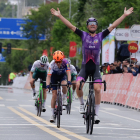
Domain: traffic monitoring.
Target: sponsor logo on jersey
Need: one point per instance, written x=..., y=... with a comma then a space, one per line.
x=95, y=41
x=91, y=46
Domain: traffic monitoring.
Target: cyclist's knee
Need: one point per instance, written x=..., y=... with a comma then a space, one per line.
x=97, y=89
x=31, y=82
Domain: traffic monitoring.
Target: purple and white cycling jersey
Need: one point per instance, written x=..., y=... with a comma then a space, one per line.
x=91, y=45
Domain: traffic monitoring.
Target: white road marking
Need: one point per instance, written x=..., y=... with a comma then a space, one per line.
x=120, y=116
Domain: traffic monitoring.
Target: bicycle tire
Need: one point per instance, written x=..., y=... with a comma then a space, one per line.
x=40, y=103
x=37, y=106
x=70, y=101
x=87, y=118
x=58, y=111
x=92, y=113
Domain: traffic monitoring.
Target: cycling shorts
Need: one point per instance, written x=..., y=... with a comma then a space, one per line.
x=73, y=77
x=90, y=68
x=42, y=75
x=55, y=78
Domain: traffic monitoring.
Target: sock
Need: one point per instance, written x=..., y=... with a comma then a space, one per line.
x=73, y=92
x=44, y=103
x=52, y=109
x=33, y=90
x=97, y=107
x=81, y=100
x=64, y=96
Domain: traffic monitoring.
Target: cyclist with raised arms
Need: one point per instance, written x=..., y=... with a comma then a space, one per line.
x=91, y=45
x=73, y=77
x=39, y=70
x=59, y=70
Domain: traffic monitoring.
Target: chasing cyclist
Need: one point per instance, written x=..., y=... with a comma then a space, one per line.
x=39, y=70
x=91, y=46
x=58, y=70
x=73, y=78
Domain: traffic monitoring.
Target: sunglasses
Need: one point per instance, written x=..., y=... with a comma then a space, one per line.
x=58, y=61
x=42, y=64
x=90, y=23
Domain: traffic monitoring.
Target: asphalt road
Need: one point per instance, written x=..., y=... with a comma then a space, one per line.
x=18, y=120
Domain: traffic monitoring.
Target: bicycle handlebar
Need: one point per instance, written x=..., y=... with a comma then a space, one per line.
x=92, y=82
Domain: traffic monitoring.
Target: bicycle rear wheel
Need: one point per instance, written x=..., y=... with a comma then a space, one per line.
x=87, y=118
x=91, y=113
x=58, y=111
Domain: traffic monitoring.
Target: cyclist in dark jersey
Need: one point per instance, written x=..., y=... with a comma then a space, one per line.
x=91, y=45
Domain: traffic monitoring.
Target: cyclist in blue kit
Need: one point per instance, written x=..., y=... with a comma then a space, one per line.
x=91, y=45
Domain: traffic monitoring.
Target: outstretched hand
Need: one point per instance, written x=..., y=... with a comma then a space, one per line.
x=56, y=13
x=129, y=11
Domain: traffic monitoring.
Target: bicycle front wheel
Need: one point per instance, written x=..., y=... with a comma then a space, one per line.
x=58, y=111
x=91, y=113
x=40, y=103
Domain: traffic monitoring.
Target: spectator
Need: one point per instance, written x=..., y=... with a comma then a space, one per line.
x=119, y=66
x=113, y=69
x=125, y=69
x=138, y=66
x=29, y=67
x=123, y=52
x=103, y=69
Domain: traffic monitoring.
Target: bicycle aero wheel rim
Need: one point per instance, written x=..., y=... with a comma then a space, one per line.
x=69, y=100
x=92, y=113
x=37, y=106
x=58, y=112
x=87, y=118
x=40, y=102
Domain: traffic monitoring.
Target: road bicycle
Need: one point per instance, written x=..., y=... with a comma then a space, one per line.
x=40, y=98
x=90, y=105
x=58, y=107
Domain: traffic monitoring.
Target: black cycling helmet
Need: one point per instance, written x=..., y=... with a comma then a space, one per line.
x=92, y=19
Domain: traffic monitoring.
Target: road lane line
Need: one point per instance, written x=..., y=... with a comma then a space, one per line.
x=1, y=98
x=120, y=116
x=53, y=133
x=48, y=123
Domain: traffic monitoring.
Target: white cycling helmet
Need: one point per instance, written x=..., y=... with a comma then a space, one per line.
x=68, y=60
x=43, y=59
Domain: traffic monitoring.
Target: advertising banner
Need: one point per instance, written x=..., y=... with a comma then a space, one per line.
x=105, y=50
x=73, y=49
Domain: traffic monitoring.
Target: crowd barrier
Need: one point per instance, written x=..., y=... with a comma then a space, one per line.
x=123, y=89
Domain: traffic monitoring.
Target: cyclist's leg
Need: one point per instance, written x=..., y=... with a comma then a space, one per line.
x=97, y=88
x=64, y=89
x=32, y=79
x=73, y=80
x=82, y=76
x=43, y=77
x=54, y=96
x=53, y=102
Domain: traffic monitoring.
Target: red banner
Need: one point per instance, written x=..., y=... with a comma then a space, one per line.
x=45, y=52
x=51, y=50
x=73, y=49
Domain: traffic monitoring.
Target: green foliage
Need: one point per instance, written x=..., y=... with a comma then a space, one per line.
x=6, y=9
x=57, y=34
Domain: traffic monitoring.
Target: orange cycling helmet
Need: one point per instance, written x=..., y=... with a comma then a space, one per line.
x=58, y=56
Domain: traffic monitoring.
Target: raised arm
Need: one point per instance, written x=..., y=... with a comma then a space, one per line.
x=64, y=20
x=119, y=20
